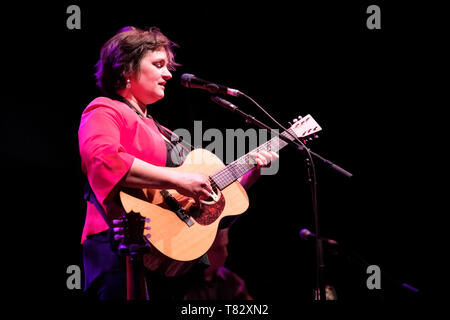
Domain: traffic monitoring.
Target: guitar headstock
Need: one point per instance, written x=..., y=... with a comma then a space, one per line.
x=129, y=230
x=305, y=126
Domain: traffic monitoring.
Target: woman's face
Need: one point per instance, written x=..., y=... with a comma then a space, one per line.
x=147, y=85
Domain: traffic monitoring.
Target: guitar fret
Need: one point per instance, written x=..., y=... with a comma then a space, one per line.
x=239, y=167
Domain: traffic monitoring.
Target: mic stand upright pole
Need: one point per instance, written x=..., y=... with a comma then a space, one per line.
x=319, y=291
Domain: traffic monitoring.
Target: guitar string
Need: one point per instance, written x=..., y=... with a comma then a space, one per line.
x=242, y=165
x=226, y=175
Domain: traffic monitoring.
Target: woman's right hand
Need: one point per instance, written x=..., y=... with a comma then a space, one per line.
x=193, y=185
x=146, y=175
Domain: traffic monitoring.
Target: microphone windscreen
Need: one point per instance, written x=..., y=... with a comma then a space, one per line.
x=305, y=234
x=186, y=79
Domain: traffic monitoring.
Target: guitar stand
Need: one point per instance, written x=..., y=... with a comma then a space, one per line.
x=136, y=282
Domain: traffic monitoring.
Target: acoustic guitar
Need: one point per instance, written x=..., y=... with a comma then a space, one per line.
x=184, y=230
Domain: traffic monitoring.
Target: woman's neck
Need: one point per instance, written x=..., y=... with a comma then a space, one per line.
x=142, y=108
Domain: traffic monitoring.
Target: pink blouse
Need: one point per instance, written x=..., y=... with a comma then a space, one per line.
x=110, y=136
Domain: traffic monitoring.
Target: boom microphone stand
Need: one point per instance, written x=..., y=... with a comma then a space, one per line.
x=320, y=265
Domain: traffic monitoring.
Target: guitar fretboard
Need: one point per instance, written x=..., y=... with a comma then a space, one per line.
x=239, y=167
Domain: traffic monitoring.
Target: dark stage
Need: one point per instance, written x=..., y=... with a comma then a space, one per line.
x=374, y=92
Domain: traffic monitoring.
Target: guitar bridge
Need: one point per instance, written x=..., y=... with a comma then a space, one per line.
x=176, y=208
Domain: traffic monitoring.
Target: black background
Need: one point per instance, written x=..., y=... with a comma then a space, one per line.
x=374, y=92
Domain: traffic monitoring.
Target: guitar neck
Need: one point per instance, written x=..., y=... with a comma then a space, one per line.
x=239, y=167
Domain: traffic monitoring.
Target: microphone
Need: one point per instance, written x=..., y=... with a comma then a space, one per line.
x=190, y=81
x=305, y=234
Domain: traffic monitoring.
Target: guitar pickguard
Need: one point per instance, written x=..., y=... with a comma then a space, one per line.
x=205, y=214
x=208, y=212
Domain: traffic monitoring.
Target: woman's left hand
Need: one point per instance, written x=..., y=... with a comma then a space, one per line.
x=263, y=158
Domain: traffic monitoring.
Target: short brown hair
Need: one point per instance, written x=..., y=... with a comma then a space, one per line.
x=122, y=54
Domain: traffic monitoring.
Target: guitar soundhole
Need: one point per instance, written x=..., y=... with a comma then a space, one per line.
x=209, y=211
x=213, y=198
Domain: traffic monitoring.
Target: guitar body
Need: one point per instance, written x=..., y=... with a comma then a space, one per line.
x=172, y=236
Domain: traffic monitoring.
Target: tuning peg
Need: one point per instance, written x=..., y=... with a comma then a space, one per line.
x=118, y=229
x=117, y=222
x=299, y=117
x=118, y=237
x=147, y=220
x=148, y=235
x=295, y=120
x=147, y=228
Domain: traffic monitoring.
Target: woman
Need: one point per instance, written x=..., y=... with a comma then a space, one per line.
x=122, y=146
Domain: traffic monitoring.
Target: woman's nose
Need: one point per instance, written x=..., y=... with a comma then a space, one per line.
x=166, y=75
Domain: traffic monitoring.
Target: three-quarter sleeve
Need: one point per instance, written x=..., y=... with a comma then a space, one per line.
x=104, y=159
